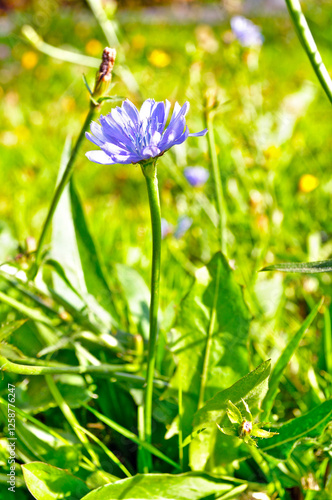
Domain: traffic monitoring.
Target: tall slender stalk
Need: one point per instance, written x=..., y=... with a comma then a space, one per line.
x=216, y=179
x=309, y=45
x=102, y=82
x=150, y=173
x=71, y=419
x=61, y=186
x=208, y=344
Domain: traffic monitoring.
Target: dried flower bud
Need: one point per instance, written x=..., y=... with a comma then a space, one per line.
x=105, y=70
x=104, y=74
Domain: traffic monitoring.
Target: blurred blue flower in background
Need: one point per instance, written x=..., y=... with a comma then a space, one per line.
x=246, y=32
x=166, y=228
x=196, y=176
x=184, y=223
x=127, y=135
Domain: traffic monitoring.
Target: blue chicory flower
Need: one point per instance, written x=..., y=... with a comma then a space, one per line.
x=247, y=33
x=196, y=176
x=127, y=135
x=184, y=223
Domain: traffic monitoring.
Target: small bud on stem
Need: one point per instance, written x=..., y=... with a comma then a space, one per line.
x=104, y=74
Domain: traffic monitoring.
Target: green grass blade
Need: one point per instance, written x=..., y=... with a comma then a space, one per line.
x=327, y=337
x=282, y=362
x=130, y=435
x=108, y=452
x=320, y=266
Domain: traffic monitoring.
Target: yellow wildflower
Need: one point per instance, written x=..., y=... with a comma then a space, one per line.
x=308, y=183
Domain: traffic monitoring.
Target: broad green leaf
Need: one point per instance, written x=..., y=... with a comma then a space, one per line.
x=74, y=248
x=137, y=296
x=209, y=342
x=57, y=268
x=191, y=485
x=252, y=388
x=282, y=362
x=215, y=308
x=322, y=266
x=94, y=273
x=311, y=424
x=211, y=444
x=64, y=246
x=46, y=482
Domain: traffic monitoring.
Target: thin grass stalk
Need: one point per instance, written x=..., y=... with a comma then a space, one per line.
x=309, y=45
x=71, y=419
x=217, y=180
x=208, y=345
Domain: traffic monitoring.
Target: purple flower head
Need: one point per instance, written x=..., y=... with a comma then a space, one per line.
x=166, y=228
x=247, y=33
x=127, y=135
x=184, y=223
x=196, y=176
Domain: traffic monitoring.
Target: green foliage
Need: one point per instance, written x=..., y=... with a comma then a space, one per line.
x=46, y=482
x=210, y=334
x=87, y=312
x=284, y=358
x=210, y=446
x=324, y=266
x=164, y=486
x=311, y=424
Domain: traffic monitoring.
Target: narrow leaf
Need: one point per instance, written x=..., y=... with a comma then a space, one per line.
x=309, y=425
x=130, y=435
x=283, y=361
x=322, y=266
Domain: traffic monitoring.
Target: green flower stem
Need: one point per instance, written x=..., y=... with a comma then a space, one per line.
x=150, y=173
x=31, y=313
x=103, y=370
x=61, y=186
x=180, y=402
x=309, y=45
x=217, y=180
x=262, y=464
